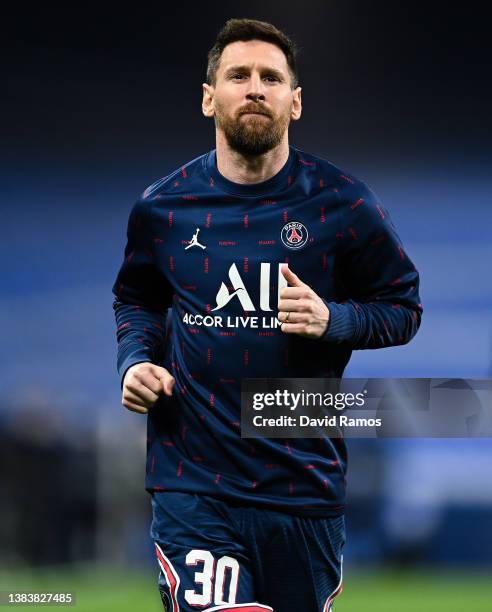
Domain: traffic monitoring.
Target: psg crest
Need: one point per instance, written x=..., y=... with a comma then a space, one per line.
x=294, y=235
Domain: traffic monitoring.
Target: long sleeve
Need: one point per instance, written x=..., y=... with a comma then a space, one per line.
x=379, y=284
x=143, y=295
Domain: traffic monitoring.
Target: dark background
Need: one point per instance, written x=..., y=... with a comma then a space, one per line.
x=101, y=101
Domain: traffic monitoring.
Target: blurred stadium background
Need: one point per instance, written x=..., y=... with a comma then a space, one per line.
x=102, y=103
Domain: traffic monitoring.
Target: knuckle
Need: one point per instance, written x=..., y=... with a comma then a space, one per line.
x=131, y=387
x=143, y=369
x=135, y=375
x=126, y=393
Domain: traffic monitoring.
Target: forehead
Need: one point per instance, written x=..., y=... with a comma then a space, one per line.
x=253, y=53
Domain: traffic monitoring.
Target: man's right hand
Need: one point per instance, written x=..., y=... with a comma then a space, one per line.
x=143, y=384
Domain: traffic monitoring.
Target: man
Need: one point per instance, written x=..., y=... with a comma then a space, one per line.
x=297, y=265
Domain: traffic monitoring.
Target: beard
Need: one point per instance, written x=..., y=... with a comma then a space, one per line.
x=252, y=135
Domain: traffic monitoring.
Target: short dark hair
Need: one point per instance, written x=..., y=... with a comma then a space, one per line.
x=251, y=29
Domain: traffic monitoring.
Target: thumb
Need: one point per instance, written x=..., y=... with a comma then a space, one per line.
x=290, y=277
x=167, y=380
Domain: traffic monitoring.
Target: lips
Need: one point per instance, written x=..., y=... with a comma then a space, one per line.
x=255, y=113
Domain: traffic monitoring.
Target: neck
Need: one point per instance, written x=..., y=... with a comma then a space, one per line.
x=243, y=169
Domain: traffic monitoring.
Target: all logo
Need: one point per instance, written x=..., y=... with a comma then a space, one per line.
x=294, y=235
x=239, y=290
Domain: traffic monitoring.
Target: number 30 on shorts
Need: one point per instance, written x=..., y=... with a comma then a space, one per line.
x=211, y=579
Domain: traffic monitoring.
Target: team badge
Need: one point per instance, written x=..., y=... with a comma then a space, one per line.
x=294, y=235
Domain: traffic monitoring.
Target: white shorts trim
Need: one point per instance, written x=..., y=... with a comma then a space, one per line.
x=337, y=591
x=170, y=575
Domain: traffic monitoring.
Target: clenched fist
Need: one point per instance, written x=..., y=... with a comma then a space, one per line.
x=143, y=384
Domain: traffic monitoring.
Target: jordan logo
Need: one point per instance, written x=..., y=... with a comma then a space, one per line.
x=194, y=241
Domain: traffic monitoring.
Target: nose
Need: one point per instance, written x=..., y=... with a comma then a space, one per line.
x=255, y=89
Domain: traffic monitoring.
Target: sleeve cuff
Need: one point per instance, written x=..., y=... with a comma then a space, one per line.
x=342, y=324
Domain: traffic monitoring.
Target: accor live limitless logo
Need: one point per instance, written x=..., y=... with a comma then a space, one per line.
x=239, y=292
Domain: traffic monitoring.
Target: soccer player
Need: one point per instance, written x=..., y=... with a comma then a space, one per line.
x=254, y=260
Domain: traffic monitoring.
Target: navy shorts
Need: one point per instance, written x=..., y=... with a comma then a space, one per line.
x=217, y=556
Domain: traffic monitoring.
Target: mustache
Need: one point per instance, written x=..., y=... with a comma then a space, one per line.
x=254, y=109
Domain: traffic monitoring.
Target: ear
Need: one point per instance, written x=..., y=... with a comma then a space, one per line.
x=296, y=104
x=208, y=100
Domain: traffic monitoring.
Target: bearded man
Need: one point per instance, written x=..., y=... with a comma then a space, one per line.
x=251, y=524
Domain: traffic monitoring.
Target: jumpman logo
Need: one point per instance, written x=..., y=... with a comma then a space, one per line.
x=194, y=241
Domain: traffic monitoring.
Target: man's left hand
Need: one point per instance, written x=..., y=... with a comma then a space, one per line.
x=301, y=310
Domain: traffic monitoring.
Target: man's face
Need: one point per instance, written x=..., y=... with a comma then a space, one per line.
x=252, y=100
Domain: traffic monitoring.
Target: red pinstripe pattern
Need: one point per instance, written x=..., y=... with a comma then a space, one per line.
x=172, y=578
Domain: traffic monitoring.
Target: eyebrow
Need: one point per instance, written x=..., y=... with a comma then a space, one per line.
x=263, y=70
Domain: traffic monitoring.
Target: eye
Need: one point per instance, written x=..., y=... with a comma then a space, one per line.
x=237, y=76
x=272, y=79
